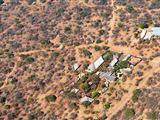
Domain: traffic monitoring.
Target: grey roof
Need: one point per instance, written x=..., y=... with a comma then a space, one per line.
x=113, y=62
x=84, y=99
x=93, y=66
x=143, y=33
x=107, y=76
x=75, y=66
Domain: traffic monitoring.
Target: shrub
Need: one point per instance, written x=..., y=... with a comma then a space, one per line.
x=85, y=12
x=107, y=106
x=86, y=52
x=152, y=116
x=135, y=95
x=85, y=86
x=73, y=116
x=99, y=41
x=95, y=94
x=67, y=30
x=97, y=48
x=50, y=98
x=1, y=2
x=70, y=95
x=86, y=103
x=130, y=9
x=96, y=102
x=28, y=60
x=129, y=112
x=45, y=42
x=10, y=54
x=55, y=54
x=143, y=25
x=101, y=32
x=103, y=2
x=121, y=65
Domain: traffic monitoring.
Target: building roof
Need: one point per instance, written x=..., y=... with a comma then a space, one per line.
x=107, y=76
x=84, y=99
x=93, y=66
x=148, y=36
x=135, y=60
x=74, y=90
x=113, y=62
x=75, y=66
x=143, y=33
x=126, y=71
x=156, y=31
x=98, y=62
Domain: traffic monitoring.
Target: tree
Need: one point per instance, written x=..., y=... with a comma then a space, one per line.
x=107, y=106
x=28, y=60
x=143, y=25
x=135, y=95
x=86, y=103
x=152, y=116
x=99, y=41
x=129, y=112
x=1, y=2
x=121, y=65
x=130, y=9
x=50, y=98
x=85, y=86
x=95, y=94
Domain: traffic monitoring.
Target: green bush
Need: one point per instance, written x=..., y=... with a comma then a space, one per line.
x=28, y=60
x=103, y=2
x=1, y=2
x=50, y=98
x=67, y=30
x=129, y=112
x=86, y=103
x=85, y=12
x=10, y=54
x=45, y=42
x=55, y=54
x=70, y=95
x=86, y=52
x=95, y=94
x=97, y=48
x=107, y=106
x=130, y=9
x=143, y=25
x=101, y=32
x=108, y=55
x=99, y=41
x=121, y=65
x=95, y=78
x=152, y=116
x=85, y=86
x=135, y=95
x=96, y=102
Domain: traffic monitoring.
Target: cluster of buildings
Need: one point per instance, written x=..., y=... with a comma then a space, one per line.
x=147, y=34
x=104, y=67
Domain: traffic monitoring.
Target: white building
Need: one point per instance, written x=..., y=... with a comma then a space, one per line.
x=97, y=63
x=84, y=99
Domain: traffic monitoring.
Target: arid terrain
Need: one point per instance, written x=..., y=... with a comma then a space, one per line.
x=41, y=40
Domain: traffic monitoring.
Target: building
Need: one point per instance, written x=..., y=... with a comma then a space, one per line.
x=113, y=62
x=107, y=76
x=148, y=34
x=75, y=66
x=84, y=99
x=97, y=63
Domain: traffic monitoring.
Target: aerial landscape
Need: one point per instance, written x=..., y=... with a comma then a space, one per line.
x=79, y=59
